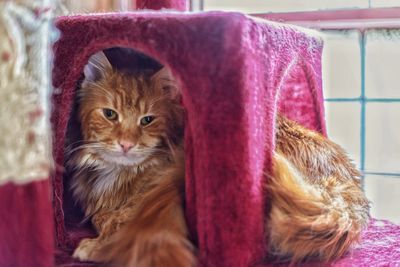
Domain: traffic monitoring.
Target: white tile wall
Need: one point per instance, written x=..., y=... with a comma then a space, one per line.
x=382, y=137
x=343, y=123
x=341, y=74
x=385, y=3
x=254, y=6
x=383, y=64
x=384, y=193
x=342, y=79
x=341, y=64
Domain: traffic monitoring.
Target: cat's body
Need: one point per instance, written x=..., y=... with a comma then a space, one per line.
x=129, y=177
x=318, y=208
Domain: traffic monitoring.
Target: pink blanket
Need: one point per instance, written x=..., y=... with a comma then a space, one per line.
x=235, y=73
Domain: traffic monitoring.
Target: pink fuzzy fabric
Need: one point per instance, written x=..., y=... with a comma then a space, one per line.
x=235, y=74
x=26, y=228
x=181, y=5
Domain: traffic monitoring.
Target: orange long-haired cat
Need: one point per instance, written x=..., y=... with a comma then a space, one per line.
x=128, y=175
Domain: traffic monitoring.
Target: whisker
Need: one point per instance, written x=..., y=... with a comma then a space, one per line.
x=81, y=141
x=150, y=150
x=83, y=147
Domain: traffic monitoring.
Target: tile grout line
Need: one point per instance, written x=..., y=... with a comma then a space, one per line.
x=389, y=174
x=359, y=99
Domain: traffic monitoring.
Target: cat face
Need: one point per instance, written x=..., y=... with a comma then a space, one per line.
x=125, y=119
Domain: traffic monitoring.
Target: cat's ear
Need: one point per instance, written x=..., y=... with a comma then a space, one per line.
x=164, y=79
x=97, y=67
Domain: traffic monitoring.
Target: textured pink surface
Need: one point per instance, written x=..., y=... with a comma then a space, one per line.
x=380, y=246
x=235, y=73
x=26, y=228
x=181, y=5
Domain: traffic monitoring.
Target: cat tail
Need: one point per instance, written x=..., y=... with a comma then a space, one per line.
x=309, y=222
x=158, y=234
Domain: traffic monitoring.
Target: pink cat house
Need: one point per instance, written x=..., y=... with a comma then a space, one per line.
x=236, y=72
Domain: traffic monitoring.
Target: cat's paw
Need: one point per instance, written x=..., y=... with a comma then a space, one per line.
x=86, y=250
x=155, y=250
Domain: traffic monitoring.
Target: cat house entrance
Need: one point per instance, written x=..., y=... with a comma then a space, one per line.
x=101, y=127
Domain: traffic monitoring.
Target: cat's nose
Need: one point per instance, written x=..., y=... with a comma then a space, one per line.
x=126, y=145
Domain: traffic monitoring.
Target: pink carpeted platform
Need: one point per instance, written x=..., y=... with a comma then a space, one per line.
x=235, y=73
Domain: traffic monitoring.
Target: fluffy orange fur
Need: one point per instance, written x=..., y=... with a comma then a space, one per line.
x=128, y=175
x=318, y=207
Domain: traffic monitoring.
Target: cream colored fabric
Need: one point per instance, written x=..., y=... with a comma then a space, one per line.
x=25, y=35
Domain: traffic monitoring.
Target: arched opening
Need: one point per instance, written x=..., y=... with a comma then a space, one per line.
x=122, y=59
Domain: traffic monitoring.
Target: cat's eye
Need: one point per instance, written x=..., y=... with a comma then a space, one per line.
x=146, y=120
x=110, y=114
